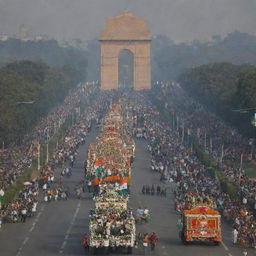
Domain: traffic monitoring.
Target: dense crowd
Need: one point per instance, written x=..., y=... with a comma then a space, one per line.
x=177, y=162
x=115, y=222
x=25, y=205
x=64, y=157
x=224, y=144
x=174, y=161
x=14, y=160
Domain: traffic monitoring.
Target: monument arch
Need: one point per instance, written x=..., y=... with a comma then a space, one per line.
x=125, y=32
x=125, y=69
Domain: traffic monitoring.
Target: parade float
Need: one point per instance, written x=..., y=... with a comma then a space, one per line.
x=200, y=221
x=112, y=224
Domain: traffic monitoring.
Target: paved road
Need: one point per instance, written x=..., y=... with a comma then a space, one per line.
x=58, y=227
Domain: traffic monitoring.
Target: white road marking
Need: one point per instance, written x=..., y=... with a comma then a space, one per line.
x=30, y=230
x=69, y=229
x=229, y=254
x=19, y=251
x=63, y=245
x=23, y=244
x=25, y=241
x=33, y=226
x=225, y=247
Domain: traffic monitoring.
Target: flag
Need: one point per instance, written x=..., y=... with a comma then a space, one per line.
x=98, y=162
x=124, y=186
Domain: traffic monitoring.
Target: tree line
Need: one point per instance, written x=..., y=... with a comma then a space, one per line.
x=41, y=72
x=226, y=89
x=29, y=90
x=72, y=60
x=170, y=59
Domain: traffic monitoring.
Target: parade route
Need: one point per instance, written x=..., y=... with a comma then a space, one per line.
x=58, y=227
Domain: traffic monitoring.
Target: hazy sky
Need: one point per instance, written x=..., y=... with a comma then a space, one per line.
x=179, y=19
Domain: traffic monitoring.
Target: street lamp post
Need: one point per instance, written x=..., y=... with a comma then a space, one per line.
x=240, y=169
x=38, y=156
x=47, y=153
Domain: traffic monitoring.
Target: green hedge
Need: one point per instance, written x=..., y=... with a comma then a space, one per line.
x=12, y=191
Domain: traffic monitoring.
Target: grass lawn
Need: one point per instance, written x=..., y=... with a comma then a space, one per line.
x=251, y=171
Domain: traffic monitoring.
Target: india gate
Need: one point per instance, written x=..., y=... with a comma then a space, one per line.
x=125, y=32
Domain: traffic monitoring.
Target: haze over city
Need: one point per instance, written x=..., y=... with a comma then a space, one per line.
x=181, y=20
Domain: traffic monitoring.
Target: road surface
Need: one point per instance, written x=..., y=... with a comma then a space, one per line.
x=58, y=227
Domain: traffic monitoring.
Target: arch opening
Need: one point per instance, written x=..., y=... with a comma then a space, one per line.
x=126, y=69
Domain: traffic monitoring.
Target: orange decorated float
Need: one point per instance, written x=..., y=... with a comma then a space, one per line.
x=201, y=223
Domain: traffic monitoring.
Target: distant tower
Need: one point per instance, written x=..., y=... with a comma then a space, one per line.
x=23, y=33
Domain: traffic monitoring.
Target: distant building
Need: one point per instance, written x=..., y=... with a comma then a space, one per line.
x=38, y=38
x=4, y=37
x=23, y=33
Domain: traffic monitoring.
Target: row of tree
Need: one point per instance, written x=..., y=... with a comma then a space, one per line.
x=170, y=59
x=228, y=90
x=28, y=91
x=41, y=72
x=72, y=60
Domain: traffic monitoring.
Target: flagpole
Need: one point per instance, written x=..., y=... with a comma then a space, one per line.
x=183, y=131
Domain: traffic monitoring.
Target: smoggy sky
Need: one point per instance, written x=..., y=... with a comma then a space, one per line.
x=181, y=20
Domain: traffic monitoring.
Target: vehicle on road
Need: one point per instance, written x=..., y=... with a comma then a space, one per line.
x=201, y=223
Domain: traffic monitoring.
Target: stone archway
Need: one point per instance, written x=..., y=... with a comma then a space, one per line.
x=125, y=31
x=125, y=69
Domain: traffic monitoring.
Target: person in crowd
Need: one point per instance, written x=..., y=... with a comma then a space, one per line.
x=153, y=240
x=145, y=243
x=235, y=234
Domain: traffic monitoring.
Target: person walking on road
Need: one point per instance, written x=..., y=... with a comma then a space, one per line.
x=78, y=192
x=145, y=243
x=153, y=240
x=139, y=240
x=235, y=234
x=23, y=214
x=85, y=243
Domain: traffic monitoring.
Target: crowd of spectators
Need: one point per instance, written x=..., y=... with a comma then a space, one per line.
x=177, y=162
x=15, y=160
x=228, y=148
